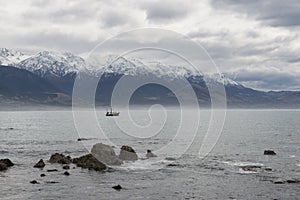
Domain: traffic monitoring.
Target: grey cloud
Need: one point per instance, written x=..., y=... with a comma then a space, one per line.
x=274, y=13
x=166, y=10
x=266, y=78
x=55, y=41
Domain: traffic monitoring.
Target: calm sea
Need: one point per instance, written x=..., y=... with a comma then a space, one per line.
x=27, y=136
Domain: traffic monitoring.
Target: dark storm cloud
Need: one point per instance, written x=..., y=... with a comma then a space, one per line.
x=274, y=13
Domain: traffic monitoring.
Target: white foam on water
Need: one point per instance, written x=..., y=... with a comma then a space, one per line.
x=147, y=164
x=241, y=164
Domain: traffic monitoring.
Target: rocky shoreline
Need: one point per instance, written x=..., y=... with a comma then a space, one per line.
x=103, y=156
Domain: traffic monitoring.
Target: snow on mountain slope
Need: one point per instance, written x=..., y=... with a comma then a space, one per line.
x=58, y=64
x=10, y=57
x=220, y=78
x=61, y=64
x=135, y=67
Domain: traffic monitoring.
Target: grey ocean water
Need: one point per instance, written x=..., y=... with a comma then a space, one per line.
x=246, y=134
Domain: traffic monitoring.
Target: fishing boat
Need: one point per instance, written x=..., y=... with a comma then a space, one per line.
x=112, y=113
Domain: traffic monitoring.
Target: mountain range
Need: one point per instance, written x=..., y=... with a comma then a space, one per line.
x=48, y=78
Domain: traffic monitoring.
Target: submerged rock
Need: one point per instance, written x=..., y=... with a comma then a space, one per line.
x=90, y=162
x=128, y=153
x=60, y=158
x=40, y=164
x=5, y=164
x=170, y=158
x=3, y=167
x=150, y=154
x=34, y=182
x=66, y=173
x=83, y=139
x=269, y=152
x=42, y=175
x=105, y=154
x=117, y=187
x=52, y=170
x=66, y=167
x=279, y=181
x=172, y=165
x=293, y=180
x=51, y=182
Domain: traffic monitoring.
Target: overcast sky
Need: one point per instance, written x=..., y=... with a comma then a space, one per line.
x=255, y=42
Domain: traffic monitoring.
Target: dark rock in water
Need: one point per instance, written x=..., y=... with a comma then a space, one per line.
x=128, y=149
x=293, y=180
x=172, y=165
x=5, y=164
x=90, y=162
x=51, y=182
x=117, y=187
x=66, y=167
x=82, y=139
x=40, y=164
x=128, y=153
x=52, y=170
x=105, y=154
x=268, y=169
x=150, y=154
x=170, y=158
x=66, y=173
x=279, y=181
x=269, y=152
x=42, y=175
x=34, y=182
x=60, y=158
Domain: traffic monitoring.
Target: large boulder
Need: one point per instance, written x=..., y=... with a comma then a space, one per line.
x=128, y=153
x=90, y=162
x=105, y=154
x=60, y=158
x=5, y=164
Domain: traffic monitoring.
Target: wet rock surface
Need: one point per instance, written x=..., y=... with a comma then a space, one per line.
x=52, y=170
x=117, y=187
x=269, y=152
x=5, y=164
x=34, y=182
x=40, y=164
x=60, y=158
x=150, y=154
x=105, y=154
x=128, y=153
x=89, y=162
x=66, y=167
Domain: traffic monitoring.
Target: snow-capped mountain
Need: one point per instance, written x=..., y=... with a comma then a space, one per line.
x=136, y=67
x=58, y=64
x=51, y=75
x=10, y=57
x=52, y=63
